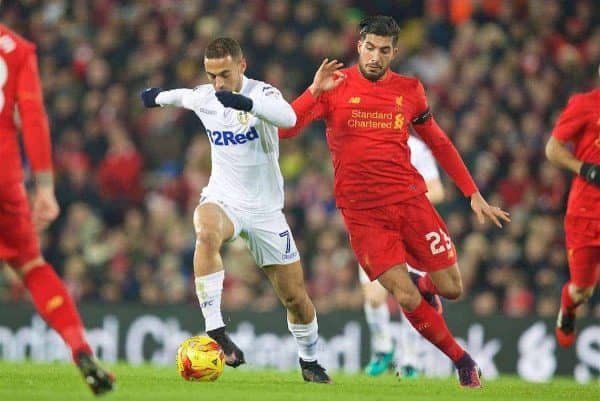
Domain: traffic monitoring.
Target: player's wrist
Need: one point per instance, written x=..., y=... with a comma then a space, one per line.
x=314, y=90
x=44, y=179
x=590, y=172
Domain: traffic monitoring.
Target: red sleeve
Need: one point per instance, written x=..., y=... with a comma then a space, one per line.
x=308, y=109
x=571, y=120
x=36, y=133
x=441, y=147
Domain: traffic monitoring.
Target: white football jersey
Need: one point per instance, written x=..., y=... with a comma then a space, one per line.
x=422, y=159
x=244, y=145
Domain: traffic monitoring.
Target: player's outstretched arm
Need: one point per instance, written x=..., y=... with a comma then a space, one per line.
x=308, y=106
x=483, y=210
x=156, y=97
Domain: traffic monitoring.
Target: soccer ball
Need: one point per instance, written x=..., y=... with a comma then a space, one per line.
x=200, y=358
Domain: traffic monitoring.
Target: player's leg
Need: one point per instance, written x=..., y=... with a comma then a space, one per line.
x=288, y=283
x=409, y=366
x=213, y=227
x=377, y=315
x=57, y=308
x=19, y=246
x=429, y=323
x=273, y=248
x=584, y=269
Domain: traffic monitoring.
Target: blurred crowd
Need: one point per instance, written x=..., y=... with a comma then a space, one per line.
x=497, y=73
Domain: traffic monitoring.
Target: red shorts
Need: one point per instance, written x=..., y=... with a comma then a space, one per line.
x=583, y=250
x=18, y=240
x=408, y=232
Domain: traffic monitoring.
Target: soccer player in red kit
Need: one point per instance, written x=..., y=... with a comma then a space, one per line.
x=19, y=245
x=367, y=109
x=579, y=123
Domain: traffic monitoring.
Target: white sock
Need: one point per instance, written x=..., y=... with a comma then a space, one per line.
x=409, y=341
x=378, y=319
x=209, y=289
x=306, y=336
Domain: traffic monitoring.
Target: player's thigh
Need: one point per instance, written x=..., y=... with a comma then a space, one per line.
x=583, y=250
x=270, y=240
x=376, y=244
x=211, y=220
x=584, y=268
x=426, y=239
x=19, y=244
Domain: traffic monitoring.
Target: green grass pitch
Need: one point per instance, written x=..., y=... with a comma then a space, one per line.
x=40, y=382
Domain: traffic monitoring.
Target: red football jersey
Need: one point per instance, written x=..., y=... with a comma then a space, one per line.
x=20, y=86
x=367, y=132
x=579, y=123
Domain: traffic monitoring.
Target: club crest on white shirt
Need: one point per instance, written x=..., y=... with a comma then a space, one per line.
x=243, y=117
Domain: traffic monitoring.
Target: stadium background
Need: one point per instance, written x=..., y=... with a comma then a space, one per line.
x=127, y=179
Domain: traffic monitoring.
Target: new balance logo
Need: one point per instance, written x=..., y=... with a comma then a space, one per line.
x=207, y=303
x=354, y=100
x=226, y=138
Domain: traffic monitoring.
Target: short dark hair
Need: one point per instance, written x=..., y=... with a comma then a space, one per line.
x=223, y=47
x=380, y=25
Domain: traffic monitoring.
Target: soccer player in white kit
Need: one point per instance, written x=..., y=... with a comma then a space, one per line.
x=376, y=309
x=244, y=195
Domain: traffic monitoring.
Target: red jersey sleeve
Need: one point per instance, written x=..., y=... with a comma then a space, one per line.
x=571, y=120
x=36, y=133
x=308, y=108
x=440, y=145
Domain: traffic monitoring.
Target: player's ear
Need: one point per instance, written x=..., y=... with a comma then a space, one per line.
x=243, y=65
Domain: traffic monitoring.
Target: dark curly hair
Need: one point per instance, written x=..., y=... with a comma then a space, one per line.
x=380, y=25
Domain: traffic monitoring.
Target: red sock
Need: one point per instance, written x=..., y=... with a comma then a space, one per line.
x=566, y=302
x=56, y=306
x=426, y=285
x=432, y=326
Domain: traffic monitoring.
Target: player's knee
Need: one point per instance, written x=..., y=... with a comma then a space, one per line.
x=373, y=299
x=451, y=288
x=208, y=240
x=454, y=291
x=582, y=294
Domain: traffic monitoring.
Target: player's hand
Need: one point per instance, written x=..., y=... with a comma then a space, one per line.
x=483, y=210
x=591, y=173
x=327, y=77
x=148, y=96
x=44, y=208
x=234, y=100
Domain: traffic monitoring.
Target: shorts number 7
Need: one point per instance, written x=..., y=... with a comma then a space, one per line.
x=435, y=239
x=286, y=234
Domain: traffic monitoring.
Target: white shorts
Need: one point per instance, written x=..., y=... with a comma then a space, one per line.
x=267, y=236
x=364, y=279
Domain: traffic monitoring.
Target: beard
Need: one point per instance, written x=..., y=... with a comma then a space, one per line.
x=371, y=76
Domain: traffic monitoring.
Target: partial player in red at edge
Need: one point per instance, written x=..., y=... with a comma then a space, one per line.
x=579, y=124
x=19, y=246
